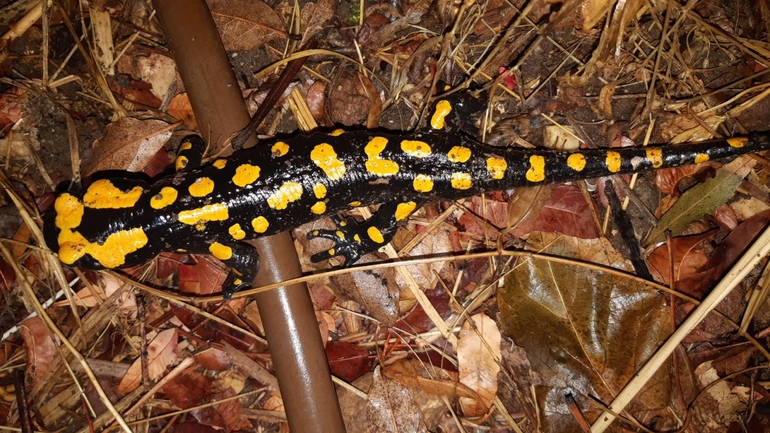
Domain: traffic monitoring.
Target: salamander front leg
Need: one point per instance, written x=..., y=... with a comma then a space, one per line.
x=243, y=261
x=352, y=240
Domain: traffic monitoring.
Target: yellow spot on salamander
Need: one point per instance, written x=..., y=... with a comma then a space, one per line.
x=236, y=232
x=337, y=132
x=375, y=164
x=737, y=141
x=331, y=252
x=279, y=149
x=180, y=163
x=403, y=210
x=222, y=252
x=318, y=208
x=246, y=174
x=459, y=154
x=536, y=172
x=288, y=192
x=375, y=234
x=165, y=197
x=655, y=156
x=340, y=234
x=201, y=187
x=613, y=161
x=576, y=161
x=202, y=215
x=69, y=211
x=260, y=224
x=102, y=194
x=326, y=159
x=422, y=183
x=443, y=108
x=415, y=148
x=185, y=146
x=701, y=157
x=110, y=254
x=357, y=237
x=496, y=167
x=319, y=190
x=237, y=281
x=220, y=163
x=461, y=181
x=354, y=204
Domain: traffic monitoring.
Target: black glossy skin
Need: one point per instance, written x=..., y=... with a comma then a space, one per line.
x=358, y=185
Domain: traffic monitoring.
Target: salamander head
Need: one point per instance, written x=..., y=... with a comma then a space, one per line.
x=87, y=229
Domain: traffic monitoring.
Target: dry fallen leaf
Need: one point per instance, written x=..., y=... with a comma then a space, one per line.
x=128, y=145
x=39, y=346
x=391, y=407
x=478, y=357
x=245, y=24
x=161, y=352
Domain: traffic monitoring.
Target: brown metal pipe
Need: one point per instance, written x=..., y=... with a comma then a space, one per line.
x=287, y=313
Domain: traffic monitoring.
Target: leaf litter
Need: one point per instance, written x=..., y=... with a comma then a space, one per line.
x=539, y=341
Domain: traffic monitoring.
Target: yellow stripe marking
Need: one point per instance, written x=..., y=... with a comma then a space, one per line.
x=403, y=210
x=416, y=148
x=354, y=204
x=180, y=163
x=422, y=183
x=701, y=157
x=496, y=167
x=165, y=197
x=102, y=194
x=318, y=208
x=236, y=232
x=459, y=154
x=319, y=190
x=288, y=192
x=461, y=181
x=279, y=149
x=202, y=187
x=655, y=156
x=357, y=237
x=246, y=174
x=375, y=164
x=443, y=108
x=576, y=161
x=536, y=172
x=737, y=142
x=211, y=212
x=375, y=234
x=324, y=156
x=613, y=161
x=69, y=211
x=337, y=132
x=222, y=252
x=111, y=254
x=260, y=224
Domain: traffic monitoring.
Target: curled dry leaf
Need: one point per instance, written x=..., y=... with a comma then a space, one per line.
x=150, y=66
x=478, y=357
x=161, y=352
x=245, y=24
x=129, y=144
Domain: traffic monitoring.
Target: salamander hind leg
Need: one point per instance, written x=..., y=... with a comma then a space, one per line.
x=352, y=239
x=243, y=261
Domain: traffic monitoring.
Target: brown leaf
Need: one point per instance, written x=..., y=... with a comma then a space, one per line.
x=566, y=212
x=348, y=360
x=478, y=357
x=391, y=407
x=180, y=108
x=39, y=347
x=314, y=17
x=689, y=256
x=161, y=352
x=128, y=145
x=153, y=67
x=431, y=380
x=245, y=24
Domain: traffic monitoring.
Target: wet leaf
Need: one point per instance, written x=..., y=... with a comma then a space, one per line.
x=702, y=199
x=566, y=212
x=585, y=331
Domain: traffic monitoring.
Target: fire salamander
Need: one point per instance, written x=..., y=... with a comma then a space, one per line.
x=279, y=185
